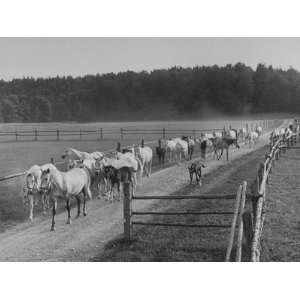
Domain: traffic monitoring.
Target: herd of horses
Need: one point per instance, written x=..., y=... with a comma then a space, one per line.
x=103, y=174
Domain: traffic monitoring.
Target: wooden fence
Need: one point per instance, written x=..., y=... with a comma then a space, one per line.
x=106, y=133
x=248, y=222
x=259, y=191
x=237, y=221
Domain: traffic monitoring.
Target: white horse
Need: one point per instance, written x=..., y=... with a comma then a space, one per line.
x=32, y=192
x=72, y=154
x=182, y=148
x=68, y=184
x=171, y=149
x=145, y=155
x=259, y=130
x=252, y=137
x=98, y=179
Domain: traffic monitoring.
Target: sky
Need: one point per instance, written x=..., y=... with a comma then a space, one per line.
x=48, y=57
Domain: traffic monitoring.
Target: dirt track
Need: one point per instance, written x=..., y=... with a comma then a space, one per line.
x=86, y=236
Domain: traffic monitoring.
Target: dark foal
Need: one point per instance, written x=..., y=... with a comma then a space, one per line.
x=161, y=153
x=196, y=168
x=116, y=177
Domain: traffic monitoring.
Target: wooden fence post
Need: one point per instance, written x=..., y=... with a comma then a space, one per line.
x=233, y=224
x=248, y=231
x=164, y=133
x=101, y=133
x=238, y=256
x=35, y=135
x=57, y=134
x=247, y=127
x=194, y=133
x=143, y=143
x=52, y=160
x=16, y=135
x=122, y=133
x=80, y=134
x=119, y=147
x=127, y=211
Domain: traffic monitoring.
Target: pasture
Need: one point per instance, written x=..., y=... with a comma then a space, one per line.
x=18, y=156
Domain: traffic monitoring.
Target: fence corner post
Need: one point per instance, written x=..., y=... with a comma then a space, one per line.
x=127, y=211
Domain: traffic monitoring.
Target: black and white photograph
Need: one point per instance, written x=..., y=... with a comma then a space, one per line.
x=149, y=149
x=164, y=152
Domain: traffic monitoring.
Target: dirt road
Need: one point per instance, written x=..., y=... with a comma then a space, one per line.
x=86, y=236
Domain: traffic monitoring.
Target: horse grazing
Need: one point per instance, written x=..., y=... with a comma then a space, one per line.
x=67, y=185
x=32, y=192
x=196, y=168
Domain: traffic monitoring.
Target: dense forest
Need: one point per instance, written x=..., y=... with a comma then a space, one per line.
x=174, y=93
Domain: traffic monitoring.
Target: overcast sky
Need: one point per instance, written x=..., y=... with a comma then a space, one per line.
x=44, y=57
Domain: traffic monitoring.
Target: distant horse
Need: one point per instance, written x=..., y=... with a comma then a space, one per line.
x=191, y=145
x=219, y=144
x=66, y=185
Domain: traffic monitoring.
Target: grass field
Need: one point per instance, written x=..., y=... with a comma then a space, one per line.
x=18, y=156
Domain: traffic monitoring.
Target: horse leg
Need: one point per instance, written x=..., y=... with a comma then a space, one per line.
x=78, y=206
x=69, y=210
x=31, y=204
x=87, y=195
x=54, y=207
x=44, y=203
x=150, y=166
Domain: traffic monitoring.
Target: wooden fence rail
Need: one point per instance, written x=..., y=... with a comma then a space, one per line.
x=241, y=196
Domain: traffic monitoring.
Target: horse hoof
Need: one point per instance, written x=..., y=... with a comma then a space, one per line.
x=69, y=221
x=77, y=216
x=52, y=228
x=85, y=214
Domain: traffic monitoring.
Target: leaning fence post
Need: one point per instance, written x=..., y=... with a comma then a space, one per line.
x=233, y=224
x=238, y=256
x=127, y=211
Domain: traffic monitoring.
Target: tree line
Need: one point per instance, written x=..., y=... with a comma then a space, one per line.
x=175, y=93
